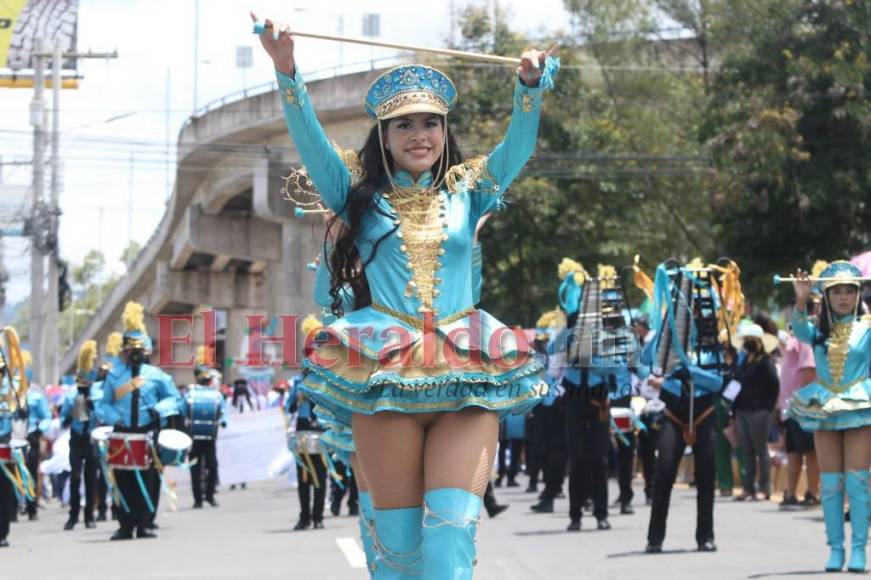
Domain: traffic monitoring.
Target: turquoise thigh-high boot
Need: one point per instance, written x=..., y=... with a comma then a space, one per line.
x=857, y=493
x=449, y=525
x=397, y=542
x=832, y=499
x=367, y=521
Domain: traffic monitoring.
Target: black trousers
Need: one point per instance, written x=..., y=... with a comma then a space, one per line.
x=154, y=485
x=554, y=464
x=8, y=503
x=308, y=510
x=136, y=515
x=82, y=458
x=670, y=447
x=536, y=444
x=349, y=485
x=33, y=467
x=512, y=468
x=102, y=490
x=647, y=440
x=625, y=457
x=204, y=451
x=589, y=439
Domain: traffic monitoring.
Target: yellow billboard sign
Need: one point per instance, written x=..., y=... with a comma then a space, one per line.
x=22, y=22
x=9, y=13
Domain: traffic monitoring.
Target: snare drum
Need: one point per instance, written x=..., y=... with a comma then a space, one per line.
x=205, y=410
x=129, y=451
x=173, y=446
x=307, y=442
x=623, y=418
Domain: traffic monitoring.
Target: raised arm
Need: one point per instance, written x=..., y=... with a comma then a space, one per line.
x=328, y=173
x=499, y=169
x=802, y=327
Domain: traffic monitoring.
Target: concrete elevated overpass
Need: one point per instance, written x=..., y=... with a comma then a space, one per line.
x=227, y=241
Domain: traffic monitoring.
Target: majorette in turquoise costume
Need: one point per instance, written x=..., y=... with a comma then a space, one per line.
x=421, y=272
x=837, y=406
x=840, y=398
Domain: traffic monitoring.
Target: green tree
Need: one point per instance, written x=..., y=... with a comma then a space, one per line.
x=788, y=124
x=130, y=253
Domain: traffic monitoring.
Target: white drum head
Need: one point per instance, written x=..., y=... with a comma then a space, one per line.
x=175, y=440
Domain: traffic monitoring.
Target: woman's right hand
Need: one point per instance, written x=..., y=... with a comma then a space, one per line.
x=278, y=44
x=802, y=286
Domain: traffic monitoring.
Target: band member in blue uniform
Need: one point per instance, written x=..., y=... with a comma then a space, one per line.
x=837, y=406
x=38, y=422
x=135, y=397
x=311, y=472
x=603, y=356
x=79, y=415
x=13, y=397
x=205, y=410
x=687, y=364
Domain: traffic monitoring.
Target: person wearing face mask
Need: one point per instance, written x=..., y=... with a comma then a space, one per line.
x=79, y=415
x=754, y=405
x=205, y=410
x=836, y=407
x=136, y=395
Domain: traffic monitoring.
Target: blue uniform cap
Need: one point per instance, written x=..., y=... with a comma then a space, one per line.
x=409, y=89
x=839, y=269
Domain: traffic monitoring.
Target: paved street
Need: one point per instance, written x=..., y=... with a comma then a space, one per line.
x=250, y=536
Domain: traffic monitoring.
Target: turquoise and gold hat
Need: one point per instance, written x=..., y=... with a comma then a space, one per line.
x=409, y=89
x=843, y=269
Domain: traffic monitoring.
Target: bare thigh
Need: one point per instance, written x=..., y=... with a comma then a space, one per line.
x=390, y=454
x=830, y=450
x=459, y=449
x=857, y=449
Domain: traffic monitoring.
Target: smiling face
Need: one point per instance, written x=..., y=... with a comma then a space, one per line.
x=415, y=141
x=843, y=298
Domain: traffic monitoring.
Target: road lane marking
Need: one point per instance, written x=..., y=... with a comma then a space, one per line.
x=353, y=552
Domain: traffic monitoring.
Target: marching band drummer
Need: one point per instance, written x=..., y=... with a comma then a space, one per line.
x=135, y=396
x=837, y=406
x=10, y=408
x=205, y=409
x=311, y=511
x=38, y=422
x=79, y=415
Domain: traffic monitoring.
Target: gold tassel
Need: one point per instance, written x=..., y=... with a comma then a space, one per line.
x=641, y=279
x=113, y=343
x=133, y=317
x=87, y=356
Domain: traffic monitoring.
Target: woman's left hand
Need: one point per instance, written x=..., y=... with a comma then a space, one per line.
x=531, y=66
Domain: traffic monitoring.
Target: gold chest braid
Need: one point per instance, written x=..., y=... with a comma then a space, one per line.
x=422, y=229
x=839, y=348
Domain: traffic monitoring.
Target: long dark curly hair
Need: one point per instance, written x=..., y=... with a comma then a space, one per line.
x=346, y=268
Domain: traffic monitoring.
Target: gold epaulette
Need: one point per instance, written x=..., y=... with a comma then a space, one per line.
x=473, y=174
x=352, y=162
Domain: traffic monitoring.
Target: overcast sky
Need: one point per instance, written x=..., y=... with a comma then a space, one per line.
x=116, y=125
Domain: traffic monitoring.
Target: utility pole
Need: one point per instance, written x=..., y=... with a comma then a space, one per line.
x=37, y=254
x=44, y=221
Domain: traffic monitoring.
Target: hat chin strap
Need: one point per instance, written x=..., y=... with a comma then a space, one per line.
x=442, y=171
